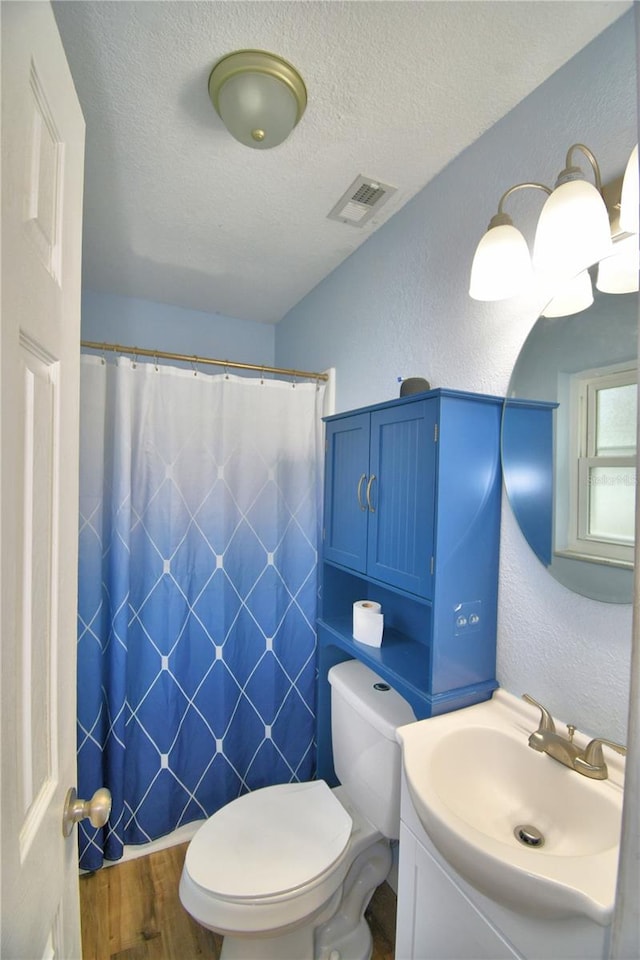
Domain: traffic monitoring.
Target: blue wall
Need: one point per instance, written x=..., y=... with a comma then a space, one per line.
x=399, y=306
x=159, y=326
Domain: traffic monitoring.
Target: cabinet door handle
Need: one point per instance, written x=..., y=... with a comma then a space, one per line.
x=360, y=482
x=372, y=509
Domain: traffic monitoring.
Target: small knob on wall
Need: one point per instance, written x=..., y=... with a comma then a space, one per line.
x=96, y=810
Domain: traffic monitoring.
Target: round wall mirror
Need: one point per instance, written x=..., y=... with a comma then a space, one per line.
x=568, y=445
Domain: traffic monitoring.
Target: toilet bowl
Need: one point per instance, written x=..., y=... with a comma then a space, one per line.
x=286, y=872
x=270, y=869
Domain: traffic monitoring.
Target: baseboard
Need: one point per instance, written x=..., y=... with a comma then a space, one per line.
x=134, y=850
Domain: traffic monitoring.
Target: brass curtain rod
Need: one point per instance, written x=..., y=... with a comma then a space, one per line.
x=233, y=364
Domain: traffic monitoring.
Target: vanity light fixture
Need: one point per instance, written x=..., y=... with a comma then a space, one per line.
x=502, y=266
x=620, y=273
x=259, y=97
x=573, y=297
x=573, y=230
x=573, y=233
x=630, y=200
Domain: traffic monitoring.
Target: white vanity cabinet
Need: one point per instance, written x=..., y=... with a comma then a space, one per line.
x=435, y=919
x=442, y=917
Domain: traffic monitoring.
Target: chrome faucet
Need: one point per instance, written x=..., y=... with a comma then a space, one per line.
x=588, y=762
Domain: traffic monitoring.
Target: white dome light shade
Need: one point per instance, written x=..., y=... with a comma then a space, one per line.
x=573, y=232
x=259, y=97
x=501, y=266
x=620, y=273
x=630, y=201
x=573, y=297
x=257, y=110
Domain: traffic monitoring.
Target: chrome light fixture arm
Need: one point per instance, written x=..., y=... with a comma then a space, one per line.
x=522, y=186
x=572, y=172
x=501, y=218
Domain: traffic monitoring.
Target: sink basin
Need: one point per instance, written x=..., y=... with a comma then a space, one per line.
x=474, y=781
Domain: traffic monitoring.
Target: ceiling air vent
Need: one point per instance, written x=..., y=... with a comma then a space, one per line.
x=361, y=201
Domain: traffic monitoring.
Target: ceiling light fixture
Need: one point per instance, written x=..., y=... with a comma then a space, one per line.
x=573, y=233
x=259, y=97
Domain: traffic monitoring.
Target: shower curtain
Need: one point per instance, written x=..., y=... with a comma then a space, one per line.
x=199, y=507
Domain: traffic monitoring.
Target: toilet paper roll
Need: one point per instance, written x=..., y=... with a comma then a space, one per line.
x=368, y=622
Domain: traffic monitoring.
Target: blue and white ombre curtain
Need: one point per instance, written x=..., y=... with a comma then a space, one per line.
x=199, y=507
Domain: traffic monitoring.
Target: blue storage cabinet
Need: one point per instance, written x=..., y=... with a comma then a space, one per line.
x=379, y=485
x=412, y=520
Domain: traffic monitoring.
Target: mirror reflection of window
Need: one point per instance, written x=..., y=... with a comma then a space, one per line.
x=602, y=495
x=602, y=339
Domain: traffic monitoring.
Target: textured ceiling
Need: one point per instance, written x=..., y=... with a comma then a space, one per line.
x=177, y=211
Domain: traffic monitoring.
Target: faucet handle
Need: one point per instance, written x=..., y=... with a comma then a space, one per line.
x=591, y=763
x=546, y=720
x=593, y=751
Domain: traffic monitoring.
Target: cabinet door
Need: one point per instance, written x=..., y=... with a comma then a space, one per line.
x=436, y=921
x=346, y=479
x=400, y=496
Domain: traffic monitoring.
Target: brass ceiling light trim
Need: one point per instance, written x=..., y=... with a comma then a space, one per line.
x=259, y=96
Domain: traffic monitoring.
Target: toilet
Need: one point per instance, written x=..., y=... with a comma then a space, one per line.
x=286, y=872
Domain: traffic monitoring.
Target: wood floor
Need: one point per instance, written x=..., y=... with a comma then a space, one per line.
x=132, y=912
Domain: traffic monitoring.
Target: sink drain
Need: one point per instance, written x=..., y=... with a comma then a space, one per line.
x=529, y=835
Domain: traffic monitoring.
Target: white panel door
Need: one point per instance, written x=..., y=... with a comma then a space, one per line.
x=42, y=179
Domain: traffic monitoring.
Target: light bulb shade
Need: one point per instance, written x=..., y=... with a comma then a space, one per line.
x=630, y=201
x=573, y=232
x=620, y=273
x=574, y=296
x=501, y=266
x=259, y=97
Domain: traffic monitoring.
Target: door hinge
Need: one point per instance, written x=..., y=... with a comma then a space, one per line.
x=435, y=433
x=324, y=533
x=433, y=564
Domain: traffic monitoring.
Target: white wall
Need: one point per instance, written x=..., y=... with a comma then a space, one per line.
x=399, y=307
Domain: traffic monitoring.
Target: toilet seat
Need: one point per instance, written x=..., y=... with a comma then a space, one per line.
x=270, y=843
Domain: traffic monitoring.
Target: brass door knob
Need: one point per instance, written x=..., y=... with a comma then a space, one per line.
x=97, y=809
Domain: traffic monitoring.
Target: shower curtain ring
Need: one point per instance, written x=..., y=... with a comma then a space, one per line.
x=134, y=362
x=226, y=372
x=156, y=362
x=262, y=375
x=193, y=365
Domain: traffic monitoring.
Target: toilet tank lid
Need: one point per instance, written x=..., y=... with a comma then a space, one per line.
x=383, y=708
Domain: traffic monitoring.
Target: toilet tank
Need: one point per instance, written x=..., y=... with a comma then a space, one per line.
x=365, y=712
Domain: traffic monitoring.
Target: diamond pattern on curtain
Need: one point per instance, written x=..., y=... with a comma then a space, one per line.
x=199, y=506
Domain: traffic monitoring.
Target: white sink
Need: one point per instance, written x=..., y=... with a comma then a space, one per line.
x=473, y=779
